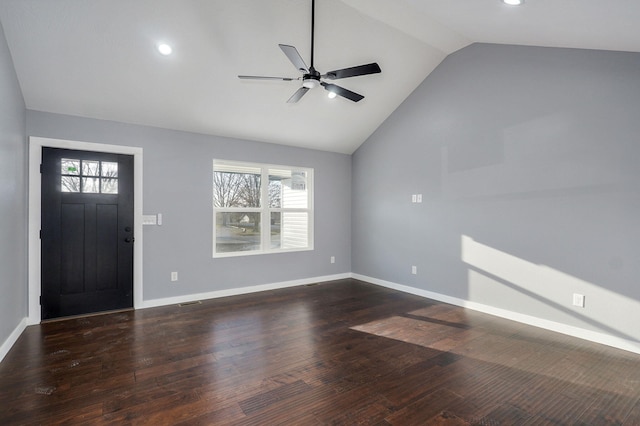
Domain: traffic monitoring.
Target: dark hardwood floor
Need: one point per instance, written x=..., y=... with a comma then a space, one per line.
x=343, y=352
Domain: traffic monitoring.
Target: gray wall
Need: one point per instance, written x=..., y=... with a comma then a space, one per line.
x=13, y=205
x=528, y=162
x=177, y=183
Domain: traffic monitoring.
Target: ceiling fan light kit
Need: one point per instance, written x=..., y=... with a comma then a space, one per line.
x=311, y=78
x=310, y=83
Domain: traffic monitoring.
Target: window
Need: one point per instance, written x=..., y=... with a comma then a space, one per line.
x=89, y=177
x=261, y=208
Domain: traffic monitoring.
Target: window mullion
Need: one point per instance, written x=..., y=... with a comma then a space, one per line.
x=237, y=209
x=289, y=209
x=265, y=216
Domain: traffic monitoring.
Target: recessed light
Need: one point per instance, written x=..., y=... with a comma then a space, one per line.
x=513, y=2
x=164, y=49
x=332, y=95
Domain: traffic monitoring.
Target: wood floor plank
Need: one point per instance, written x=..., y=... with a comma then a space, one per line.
x=504, y=414
x=609, y=409
x=342, y=352
x=632, y=418
x=424, y=409
x=263, y=400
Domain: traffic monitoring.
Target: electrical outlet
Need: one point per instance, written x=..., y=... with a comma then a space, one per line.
x=418, y=198
x=578, y=300
x=333, y=259
x=174, y=276
x=414, y=270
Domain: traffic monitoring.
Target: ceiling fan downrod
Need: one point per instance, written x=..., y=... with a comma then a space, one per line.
x=313, y=29
x=311, y=80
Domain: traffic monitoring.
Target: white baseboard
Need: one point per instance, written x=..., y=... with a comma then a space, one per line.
x=581, y=333
x=13, y=337
x=152, y=303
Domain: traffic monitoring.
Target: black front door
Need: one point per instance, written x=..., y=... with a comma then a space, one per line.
x=87, y=232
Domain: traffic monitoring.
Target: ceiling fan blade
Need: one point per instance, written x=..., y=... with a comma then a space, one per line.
x=295, y=58
x=341, y=91
x=299, y=94
x=367, y=69
x=260, y=77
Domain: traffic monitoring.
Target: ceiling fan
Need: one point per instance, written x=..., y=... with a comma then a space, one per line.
x=311, y=78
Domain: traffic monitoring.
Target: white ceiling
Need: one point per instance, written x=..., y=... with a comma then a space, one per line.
x=97, y=58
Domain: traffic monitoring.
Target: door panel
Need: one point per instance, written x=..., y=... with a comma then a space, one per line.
x=72, y=257
x=87, y=232
x=106, y=246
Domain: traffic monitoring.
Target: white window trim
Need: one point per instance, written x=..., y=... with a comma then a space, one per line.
x=266, y=210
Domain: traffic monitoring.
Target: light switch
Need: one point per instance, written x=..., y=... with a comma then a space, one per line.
x=149, y=219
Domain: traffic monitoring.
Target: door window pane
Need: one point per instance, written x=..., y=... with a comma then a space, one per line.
x=90, y=185
x=109, y=186
x=70, y=184
x=90, y=168
x=109, y=169
x=70, y=167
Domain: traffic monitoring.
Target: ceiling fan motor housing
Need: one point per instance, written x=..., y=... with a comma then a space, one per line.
x=311, y=80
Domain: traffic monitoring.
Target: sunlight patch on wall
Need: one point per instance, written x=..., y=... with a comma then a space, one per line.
x=542, y=291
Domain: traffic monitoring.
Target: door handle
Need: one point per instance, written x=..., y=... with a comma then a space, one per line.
x=129, y=240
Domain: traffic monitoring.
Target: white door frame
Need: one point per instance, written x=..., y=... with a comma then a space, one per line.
x=35, y=205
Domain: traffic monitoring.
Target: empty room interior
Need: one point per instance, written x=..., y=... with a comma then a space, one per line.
x=301, y=212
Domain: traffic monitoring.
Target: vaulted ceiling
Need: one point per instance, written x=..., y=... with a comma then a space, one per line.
x=98, y=58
